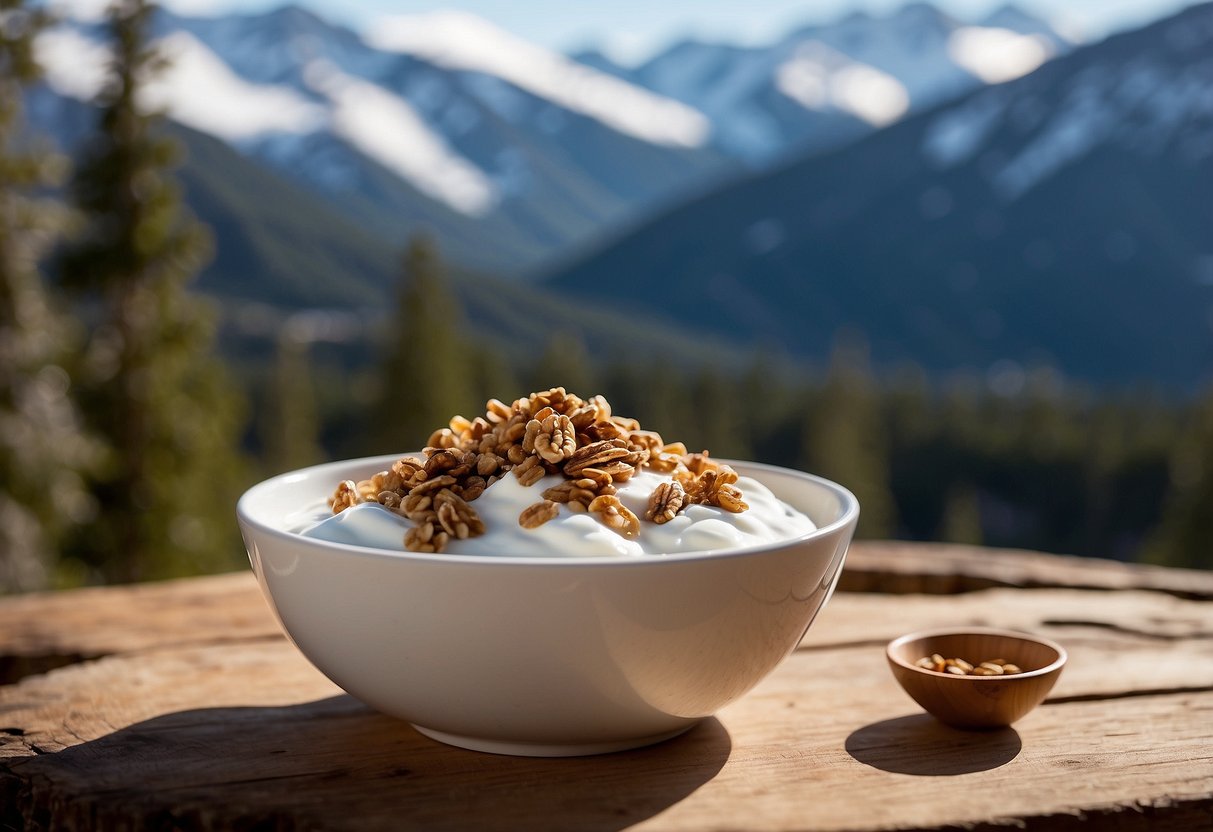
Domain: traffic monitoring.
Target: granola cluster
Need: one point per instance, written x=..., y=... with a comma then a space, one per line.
x=553, y=432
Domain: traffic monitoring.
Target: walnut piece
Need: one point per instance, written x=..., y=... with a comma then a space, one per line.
x=345, y=496
x=615, y=515
x=715, y=487
x=596, y=455
x=456, y=516
x=555, y=439
x=665, y=502
x=534, y=516
x=425, y=537
x=530, y=471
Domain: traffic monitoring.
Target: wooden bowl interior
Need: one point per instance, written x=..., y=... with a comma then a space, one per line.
x=977, y=647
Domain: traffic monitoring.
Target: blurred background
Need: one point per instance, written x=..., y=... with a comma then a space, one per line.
x=957, y=257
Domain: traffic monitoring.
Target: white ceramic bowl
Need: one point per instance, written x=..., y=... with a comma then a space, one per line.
x=542, y=656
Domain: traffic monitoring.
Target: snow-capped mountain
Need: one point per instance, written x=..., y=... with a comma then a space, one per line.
x=505, y=151
x=822, y=85
x=509, y=153
x=1063, y=218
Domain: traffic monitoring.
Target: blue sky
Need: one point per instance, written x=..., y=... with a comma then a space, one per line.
x=634, y=28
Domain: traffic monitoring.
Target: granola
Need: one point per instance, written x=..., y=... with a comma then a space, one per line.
x=549, y=432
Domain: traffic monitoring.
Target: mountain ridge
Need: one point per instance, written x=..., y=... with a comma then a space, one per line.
x=501, y=176
x=1023, y=246
x=821, y=85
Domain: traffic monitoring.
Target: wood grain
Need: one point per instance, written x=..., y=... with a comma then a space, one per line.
x=941, y=569
x=46, y=630
x=220, y=728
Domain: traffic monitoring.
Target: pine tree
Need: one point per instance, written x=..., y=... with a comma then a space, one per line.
x=1185, y=536
x=719, y=424
x=427, y=373
x=290, y=425
x=151, y=387
x=491, y=374
x=563, y=363
x=768, y=391
x=962, y=516
x=43, y=451
x=845, y=438
x=654, y=392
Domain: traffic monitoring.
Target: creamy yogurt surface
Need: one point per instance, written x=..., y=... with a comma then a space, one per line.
x=697, y=529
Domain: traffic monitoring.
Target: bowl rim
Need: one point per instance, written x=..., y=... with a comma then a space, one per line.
x=1019, y=635
x=848, y=515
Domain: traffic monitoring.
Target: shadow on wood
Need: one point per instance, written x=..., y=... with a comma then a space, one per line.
x=343, y=766
x=920, y=744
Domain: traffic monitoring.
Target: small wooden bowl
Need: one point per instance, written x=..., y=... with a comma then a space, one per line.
x=977, y=701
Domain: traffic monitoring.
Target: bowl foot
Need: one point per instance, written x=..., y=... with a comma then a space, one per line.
x=539, y=749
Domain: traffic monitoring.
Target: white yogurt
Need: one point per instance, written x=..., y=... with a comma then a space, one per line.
x=696, y=529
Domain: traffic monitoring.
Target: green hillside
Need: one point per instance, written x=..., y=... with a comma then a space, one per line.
x=275, y=242
x=278, y=245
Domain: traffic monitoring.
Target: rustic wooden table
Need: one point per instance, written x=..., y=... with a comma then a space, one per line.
x=181, y=706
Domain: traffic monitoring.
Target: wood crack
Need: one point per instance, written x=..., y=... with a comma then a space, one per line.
x=1129, y=631
x=1128, y=694
x=14, y=668
x=221, y=784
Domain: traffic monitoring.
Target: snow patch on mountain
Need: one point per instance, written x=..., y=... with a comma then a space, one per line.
x=1148, y=104
x=72, y=64
x=199, y=90
x=997, y=55
x=463, y=42
x=875, y=69
x=85, y=11
x=955, y=135
x=818, y=77
x=386, y=128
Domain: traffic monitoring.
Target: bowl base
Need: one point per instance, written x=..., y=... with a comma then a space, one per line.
x=529, y=749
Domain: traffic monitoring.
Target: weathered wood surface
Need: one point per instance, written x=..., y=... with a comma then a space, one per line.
x=891, y=566
x=183, y=707
x=42, y=631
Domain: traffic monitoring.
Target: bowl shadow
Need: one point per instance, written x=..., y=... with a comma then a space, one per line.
x=920, y=744
x=336, y=764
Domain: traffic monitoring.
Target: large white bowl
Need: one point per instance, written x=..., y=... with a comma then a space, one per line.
x=542, y=656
